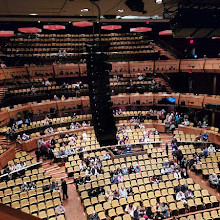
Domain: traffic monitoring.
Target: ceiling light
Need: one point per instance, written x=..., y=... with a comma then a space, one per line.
x=159, y=1
x=38, y=21
x=69, y=21
x=33, y=14
x=84, y=10
x=120, y=10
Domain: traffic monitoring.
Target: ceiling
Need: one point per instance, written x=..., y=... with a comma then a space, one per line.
x=70, y=10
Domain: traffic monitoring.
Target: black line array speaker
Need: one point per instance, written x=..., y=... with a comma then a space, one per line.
x=99, y=94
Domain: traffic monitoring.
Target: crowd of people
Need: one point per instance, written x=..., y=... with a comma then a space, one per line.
x=25, y=187
x=183, y=193
x=15, y=167
x=92, y=166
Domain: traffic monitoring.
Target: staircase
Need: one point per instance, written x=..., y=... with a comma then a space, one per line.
x=4, y=141
x=167, y=138
x=57, y=170
x=3, y=90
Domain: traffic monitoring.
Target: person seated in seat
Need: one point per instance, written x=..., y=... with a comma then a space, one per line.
x=60, y=210
x=189, y=194
x=25, y=137
x=109, y=195
x=24, y=187
x=164, y=210
x=130, y=208
x=82, y=166
x=154, y=179
x=177, y=174
x=205, y=136
x=137, y=169
x=54, y=186
x=123, y=192
x=211, y=149
x=116, y=194
x=94, y=216
x=137, y=213
x=205, y=152
x=180, y=196
x=177, y=188
x=127, y=149
x=213, y=180
x=125, y=170
x=164, y=170
x=186, y=122
x=130, y=191
x=121, y=179
x=131, y=170
x=184, y=174
x=32, y=185
x=114, y=179
x=106, y=156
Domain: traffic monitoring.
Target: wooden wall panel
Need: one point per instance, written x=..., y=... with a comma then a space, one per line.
x=74, y=68
x=141, y=67
x=119, y=68
x=212, y=66
x=167, y=66
x=194, y=66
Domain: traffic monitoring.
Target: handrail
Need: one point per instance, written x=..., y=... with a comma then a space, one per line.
x=194, y=213
x=209, y=65
x=146, y=99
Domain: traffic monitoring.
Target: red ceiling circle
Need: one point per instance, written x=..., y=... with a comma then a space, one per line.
x=166, y=32
x=54, y=27
x=140, y=29
x=111, y=27
x=6, y=33
x=83, y=24
x=30, y=30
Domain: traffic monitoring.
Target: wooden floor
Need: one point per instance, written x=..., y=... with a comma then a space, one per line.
x=72, y=205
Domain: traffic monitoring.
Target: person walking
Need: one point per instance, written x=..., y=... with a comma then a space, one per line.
x=38, y=154
x=167, y=149
x=64, y=189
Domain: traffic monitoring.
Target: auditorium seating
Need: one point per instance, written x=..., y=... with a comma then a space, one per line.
x=37, y=202
x=46, y=46
x=144, y=190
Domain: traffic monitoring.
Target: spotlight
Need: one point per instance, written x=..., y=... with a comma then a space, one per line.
x=38, y=21
x=159, y=1
x=195, y=56
x=84, y=10
x=120, y=10
x=33, y=14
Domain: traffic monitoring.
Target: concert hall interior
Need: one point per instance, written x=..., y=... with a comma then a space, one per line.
x=109, y=109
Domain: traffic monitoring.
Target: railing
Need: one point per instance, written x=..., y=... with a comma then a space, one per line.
x=134, y=67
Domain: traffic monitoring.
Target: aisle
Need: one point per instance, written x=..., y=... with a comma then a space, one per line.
x=72, y=205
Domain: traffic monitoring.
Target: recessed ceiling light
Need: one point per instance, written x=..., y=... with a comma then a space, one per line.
x=159, y=1
x=33, y=14
x=120, y=10
x=84, y=10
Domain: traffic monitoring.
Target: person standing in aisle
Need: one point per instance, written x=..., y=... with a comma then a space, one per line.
x=64, y=189
x=167, y=149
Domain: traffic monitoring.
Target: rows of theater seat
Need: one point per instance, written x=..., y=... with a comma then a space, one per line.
x=144, y=191
x=39, y=202
x=46, y=45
